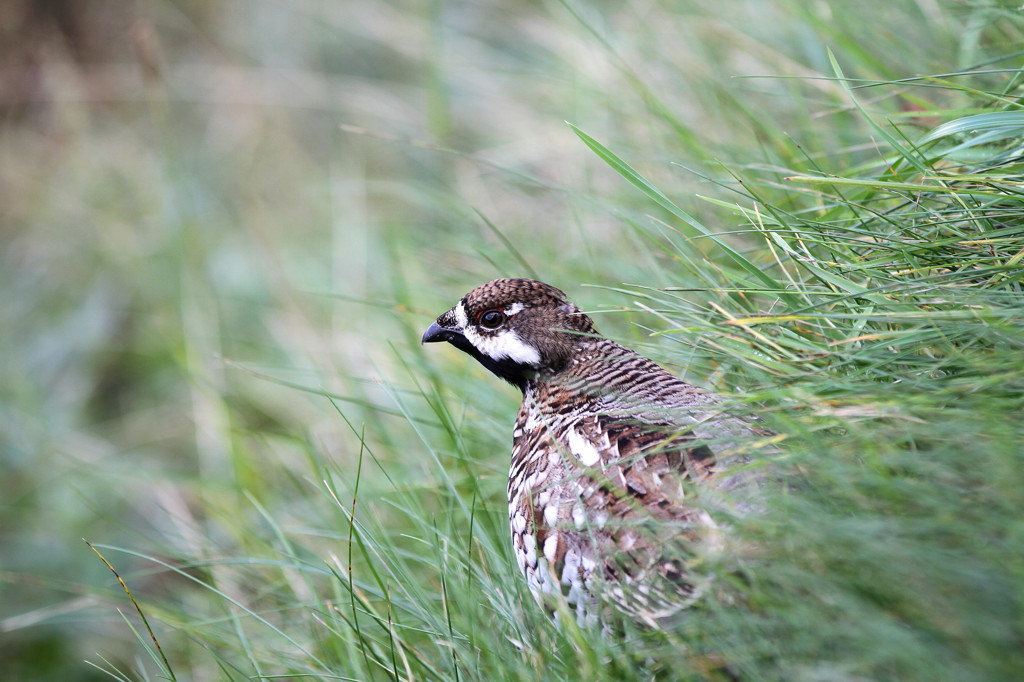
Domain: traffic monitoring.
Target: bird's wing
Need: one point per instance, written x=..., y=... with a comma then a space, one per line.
x=623, y=513
x=609, y=468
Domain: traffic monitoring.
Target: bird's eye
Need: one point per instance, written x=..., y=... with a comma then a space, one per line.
x=491, y=319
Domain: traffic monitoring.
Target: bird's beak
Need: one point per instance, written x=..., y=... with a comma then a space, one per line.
x=436, y=333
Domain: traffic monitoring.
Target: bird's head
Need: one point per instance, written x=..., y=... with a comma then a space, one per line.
x=514, y=327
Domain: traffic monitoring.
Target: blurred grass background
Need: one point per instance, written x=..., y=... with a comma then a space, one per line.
x=214, y=215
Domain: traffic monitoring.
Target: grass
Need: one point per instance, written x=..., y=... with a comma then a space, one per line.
x=215, y=295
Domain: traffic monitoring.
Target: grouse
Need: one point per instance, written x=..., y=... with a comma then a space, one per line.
x=609, y=454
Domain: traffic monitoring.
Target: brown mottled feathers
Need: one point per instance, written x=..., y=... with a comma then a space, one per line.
x=608, y=451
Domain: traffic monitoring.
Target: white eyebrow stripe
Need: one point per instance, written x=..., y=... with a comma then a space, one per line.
x=514, y=309
x=460, y=315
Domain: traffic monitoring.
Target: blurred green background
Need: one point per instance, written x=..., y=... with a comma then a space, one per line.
x=213, y=213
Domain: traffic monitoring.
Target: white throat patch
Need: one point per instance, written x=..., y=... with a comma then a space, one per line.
x=504, y=345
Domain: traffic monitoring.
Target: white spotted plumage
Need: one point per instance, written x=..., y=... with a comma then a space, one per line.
x=582, y=448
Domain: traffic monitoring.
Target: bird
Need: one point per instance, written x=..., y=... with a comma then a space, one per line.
x=610, y=453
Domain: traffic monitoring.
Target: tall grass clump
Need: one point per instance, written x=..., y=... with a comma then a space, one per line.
x=874, y=318
x=877, y=316
x=881, y=318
